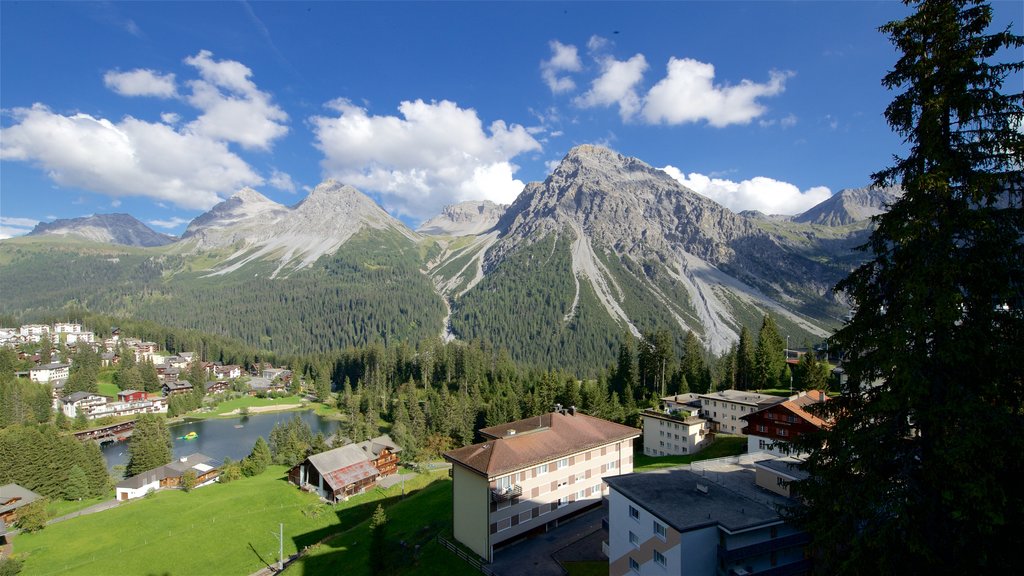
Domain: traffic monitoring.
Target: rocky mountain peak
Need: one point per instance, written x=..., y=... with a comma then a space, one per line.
x=464, y=218
x=109, y=228
x=851, y=205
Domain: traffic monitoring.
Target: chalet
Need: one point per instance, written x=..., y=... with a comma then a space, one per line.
x=351, y=469
x=174, y=388
x=177, y=362
x=771, y=428
x=13, y=497
x=217, y=386
x=109, y=359
x=131, y=396
x=205, y=468
x=229, y=371
x=530, y=474
x=258, y=384
x=45, y=373
x=84, y=402
x=167, y=373
x=277, y=374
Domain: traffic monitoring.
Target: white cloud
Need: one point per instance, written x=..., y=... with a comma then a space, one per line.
x=688, y=94
x=141, y=82
x=234, y=109
x=169, y=223
x=170, y=117
x=10, y=226
x=128, y=158
x=616, y=85
x=564, y=58
x=434, y=154
x=281, y=180
x=787, y=121
x=760, y=193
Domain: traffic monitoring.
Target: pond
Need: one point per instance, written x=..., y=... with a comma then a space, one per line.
x=222, y=438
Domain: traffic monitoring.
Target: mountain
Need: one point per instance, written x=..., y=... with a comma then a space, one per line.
x=607, y=245
x=464, y=218
x=256, y=228
x=108, y=228
x=850, y=206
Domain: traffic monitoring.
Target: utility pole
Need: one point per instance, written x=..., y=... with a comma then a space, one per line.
x=280, y=547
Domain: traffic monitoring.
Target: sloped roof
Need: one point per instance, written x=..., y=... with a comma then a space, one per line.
x=797, y=405
x=536, y=440
x=350, y=474
x=21, y=496
x=201, y=462
x=337, y=459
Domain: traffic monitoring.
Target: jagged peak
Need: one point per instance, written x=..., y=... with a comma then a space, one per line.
x=247, y=195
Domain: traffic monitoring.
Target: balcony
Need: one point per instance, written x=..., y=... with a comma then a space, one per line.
x=503, y=494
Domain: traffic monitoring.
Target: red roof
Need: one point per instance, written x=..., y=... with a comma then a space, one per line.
x=338, y=479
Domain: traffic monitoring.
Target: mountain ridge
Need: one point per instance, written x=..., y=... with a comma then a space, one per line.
x=117, y=228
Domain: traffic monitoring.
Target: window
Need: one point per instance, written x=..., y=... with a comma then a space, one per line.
x=581, y=494
x=503, y=483
x=634, y=565
x=634, y=513
x=613, y=464
x=762, y=428
x=563, y=463
x=783, y=432
x=634, y=539
x=659, y=558
x=542, y=469
x=563, y=501
x=659, y=530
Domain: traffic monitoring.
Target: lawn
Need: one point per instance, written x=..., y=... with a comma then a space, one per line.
x=221, y=529
x=415, y=521
x=105, y=383
x=724, y=445
x=253, y=402
x=55, y=508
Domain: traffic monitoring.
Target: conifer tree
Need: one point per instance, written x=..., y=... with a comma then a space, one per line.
x=920, y=472
x=769, y=356
x=150, y=445
x=745, y=361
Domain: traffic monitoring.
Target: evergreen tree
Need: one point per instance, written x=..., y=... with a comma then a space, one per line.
x=257, y=461
x=810, y=373
x=770, y=356
x=378, y=544
x=150, y=445
x=322, y=385
x=925, y=453
x=745, y=361
x=692, y=365
x=76, y=486
x=148, y=379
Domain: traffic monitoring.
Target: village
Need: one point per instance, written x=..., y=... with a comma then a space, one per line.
x=527, y=477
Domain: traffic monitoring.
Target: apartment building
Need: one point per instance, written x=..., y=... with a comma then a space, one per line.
x=719, y=518
x=725, y=408
x=46, y=373
x=673, y=433
x=531, y=473
x=770, y=429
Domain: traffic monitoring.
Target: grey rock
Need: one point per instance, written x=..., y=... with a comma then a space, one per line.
x=108, y=228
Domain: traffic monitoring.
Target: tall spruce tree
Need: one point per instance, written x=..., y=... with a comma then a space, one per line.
x=150, y=445
x=920, y=472
x=769, y=356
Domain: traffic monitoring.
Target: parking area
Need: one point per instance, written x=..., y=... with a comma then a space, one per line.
x=577, y=539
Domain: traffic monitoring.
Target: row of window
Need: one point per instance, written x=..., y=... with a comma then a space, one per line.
x=658, y=558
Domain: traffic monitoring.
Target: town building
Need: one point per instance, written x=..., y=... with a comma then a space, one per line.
x=81, y=402
x=175, y=387
x=12, y=498
x=229, y=371
x=715, y=517
x=131, y=396
x=771, y=428
x=674, y=433
x=352, y=469
x=725, y=408
x=46, y=373
x=217, y=386
x=206, y=469
x=152, y=404
x=529, y=474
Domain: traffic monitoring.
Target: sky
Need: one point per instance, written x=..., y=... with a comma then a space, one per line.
x=163, y=109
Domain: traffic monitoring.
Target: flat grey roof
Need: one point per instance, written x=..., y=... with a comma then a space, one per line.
x=788, y=466
x=732, y=499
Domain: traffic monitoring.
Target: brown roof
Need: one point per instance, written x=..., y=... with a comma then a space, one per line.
x=536, y=440
x=798, y=404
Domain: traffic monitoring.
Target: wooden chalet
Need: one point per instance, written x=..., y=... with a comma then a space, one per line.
x=12, y=498
x=351, y=469
x=771, y=428
x=206, y=469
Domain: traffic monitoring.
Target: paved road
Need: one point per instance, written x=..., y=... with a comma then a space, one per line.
x=534, y=556
x=84, y=511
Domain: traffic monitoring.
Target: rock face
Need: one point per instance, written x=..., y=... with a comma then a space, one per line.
x=626, y=217
x=464, y=219
x=850, y=206
x=109, y=228
x=258, y=228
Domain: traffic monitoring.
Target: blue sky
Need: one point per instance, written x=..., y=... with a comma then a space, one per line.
x=163, y=109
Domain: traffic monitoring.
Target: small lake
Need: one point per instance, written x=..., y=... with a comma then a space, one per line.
x=222, y=438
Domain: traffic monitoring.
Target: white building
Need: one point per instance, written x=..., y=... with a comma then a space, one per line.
x=674, y=433
x=84, y=402
x=725, y=408
x=531, y=473
x=46, y=373
x=66, y=327
x=708, y=520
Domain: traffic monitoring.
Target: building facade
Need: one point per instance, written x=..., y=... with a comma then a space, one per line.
x=531, y=473
x=673, y=433
x=351, y=469
x=771, y=429
x=726, y=408
x=46, y=373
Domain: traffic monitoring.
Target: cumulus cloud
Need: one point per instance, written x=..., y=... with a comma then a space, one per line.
x=169, y=223
x=281, y=180
x=234, y=109
x=10, y=226
x=688, y=94
x=191, y=166
x=564, y=58
x=616, y=85
x=127, y=158
x=141, y=82
x=433, y=154
x=760, y=193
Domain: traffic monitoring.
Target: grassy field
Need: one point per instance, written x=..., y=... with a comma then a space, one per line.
x=416, y=521
x=55, y=508
x=253, y=402
x=228, y=529
x=724, y=445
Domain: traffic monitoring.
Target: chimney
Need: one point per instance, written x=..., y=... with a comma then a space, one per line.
x=558, y=407
x=511, y=432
